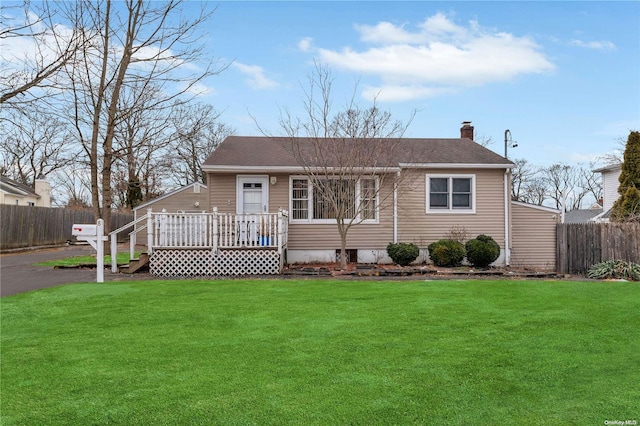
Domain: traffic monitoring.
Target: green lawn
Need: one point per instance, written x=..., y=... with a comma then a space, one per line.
x=121, y=258
x=322, y=352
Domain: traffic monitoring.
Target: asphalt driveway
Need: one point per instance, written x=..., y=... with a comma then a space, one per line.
x=18, y=273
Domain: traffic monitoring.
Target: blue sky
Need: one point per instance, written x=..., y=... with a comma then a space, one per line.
x=563, y=77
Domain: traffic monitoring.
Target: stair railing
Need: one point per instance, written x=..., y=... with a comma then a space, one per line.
x=132, y=240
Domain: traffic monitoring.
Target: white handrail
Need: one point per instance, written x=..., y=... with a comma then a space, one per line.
x=132, y=240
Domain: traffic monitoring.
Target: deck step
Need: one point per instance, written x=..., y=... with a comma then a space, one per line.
x=136, y=264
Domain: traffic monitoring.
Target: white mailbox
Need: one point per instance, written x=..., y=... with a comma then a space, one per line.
x=94, y=235
x=84, y=230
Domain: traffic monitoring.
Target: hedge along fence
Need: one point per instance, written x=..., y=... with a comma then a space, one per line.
x=582, y=245
x=27, y=226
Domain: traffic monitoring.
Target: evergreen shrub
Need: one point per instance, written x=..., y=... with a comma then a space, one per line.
x=482, y=251
x=403, y=253
x=446, y=252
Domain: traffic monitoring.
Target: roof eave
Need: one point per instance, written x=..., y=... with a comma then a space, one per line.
x=288, y=169
x=455, y=166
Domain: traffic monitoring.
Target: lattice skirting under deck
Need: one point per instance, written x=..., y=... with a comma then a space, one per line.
x=206, y=263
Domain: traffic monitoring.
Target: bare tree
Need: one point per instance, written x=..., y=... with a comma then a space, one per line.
x=140, y=139
x=134, y=42
x=590, y=182
x=568, y=186
x=72, y=186
x=347, y=156
x=197, y=132
x=522, y=180
x=49, y=47
x=32, y=144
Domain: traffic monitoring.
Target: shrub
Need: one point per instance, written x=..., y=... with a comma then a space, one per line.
x=446, y=252
x=482, y=251
x=615, y=269
x=403, y=253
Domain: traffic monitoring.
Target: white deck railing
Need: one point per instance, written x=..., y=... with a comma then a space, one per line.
x=208, y=230
x=218, y=230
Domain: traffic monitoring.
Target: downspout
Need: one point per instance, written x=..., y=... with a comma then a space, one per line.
x=395, y=208
x=507, y=201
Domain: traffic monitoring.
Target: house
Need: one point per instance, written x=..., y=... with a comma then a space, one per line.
x=582, y=215
x=15, y=193
x=610, y=183
x=441, y=184
x=193, y=198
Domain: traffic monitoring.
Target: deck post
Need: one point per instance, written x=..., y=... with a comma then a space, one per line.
x=114, y=253
x=280, y=231
x=214, y=243
x=132, y=245
x=149, y=231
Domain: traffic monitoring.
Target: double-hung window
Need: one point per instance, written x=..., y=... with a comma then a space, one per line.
x=451, y=193
x=329, y=198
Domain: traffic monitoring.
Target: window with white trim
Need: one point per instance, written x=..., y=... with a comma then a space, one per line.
x=299, y=199
x=368, y=199
x=451, y=193
x=308, y=204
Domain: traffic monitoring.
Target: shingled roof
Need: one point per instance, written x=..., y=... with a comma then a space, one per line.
x=269, y=152
x=10, y=186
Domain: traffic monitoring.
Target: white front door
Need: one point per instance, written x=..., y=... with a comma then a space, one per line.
x=252, y=194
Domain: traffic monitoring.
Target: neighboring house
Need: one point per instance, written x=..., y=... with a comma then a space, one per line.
x=582, y=215
x=12, y=192
x=610, y=183
x=445, y=183
x=193, y=198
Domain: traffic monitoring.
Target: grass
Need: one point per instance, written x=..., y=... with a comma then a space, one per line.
x=266, y=352
x=121, y=258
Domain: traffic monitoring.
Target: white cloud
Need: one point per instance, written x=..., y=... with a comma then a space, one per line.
x=392, y=93
x=439, y=56
x=305, y=44
x=256, y=77
x=200, y=89
x=599, y=45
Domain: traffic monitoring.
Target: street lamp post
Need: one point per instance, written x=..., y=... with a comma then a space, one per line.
x=508, y=141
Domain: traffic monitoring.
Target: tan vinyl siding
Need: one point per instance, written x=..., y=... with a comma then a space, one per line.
x=311, y=236
x=418, y=227
x=415, y=225
x=533, y=237
x=222, y=192
x=302, y=236
x=222, y=188
x=181, y=200
x=184, y=200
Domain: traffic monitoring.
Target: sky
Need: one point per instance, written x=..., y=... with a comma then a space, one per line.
x=562, y=77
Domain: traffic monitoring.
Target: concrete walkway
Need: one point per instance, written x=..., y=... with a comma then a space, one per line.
x=18, y=274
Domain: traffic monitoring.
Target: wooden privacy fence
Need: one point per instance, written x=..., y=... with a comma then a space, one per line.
x=27, y=226
x=582, y=245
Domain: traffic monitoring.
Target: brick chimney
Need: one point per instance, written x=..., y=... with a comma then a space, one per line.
x=466, y=131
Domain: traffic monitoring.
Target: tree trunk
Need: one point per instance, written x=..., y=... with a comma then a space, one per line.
x=342, y=229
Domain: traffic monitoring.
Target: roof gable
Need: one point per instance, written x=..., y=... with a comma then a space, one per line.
x=169, y=194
